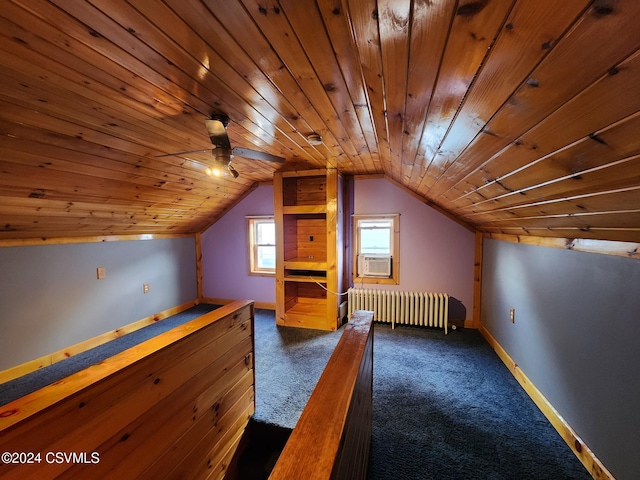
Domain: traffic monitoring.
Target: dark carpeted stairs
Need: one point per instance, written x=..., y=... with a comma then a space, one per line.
x=263, y=443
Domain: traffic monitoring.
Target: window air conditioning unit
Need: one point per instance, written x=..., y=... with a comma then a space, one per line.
x=374, y=266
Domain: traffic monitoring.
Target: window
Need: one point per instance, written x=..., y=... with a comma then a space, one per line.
x=262, y=245
x=377, y=248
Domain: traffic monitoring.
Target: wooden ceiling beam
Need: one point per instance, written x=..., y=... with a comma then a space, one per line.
x=612, y=233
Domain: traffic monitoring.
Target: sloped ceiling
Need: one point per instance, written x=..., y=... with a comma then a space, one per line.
x=516, y=116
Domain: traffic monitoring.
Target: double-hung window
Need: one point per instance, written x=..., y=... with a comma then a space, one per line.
x=376, y=238
x=262, y=245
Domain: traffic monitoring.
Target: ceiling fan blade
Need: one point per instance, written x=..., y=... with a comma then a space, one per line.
x=217, y=129
x=255, y=155
x=181, y=153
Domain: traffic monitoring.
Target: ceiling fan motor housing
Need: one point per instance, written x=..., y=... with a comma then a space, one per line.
x=221, y=118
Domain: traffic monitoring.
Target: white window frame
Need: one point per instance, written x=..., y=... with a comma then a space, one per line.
x=394, y=240
x=253, y=245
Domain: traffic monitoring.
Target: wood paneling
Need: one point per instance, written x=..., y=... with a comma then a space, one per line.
x=173, y=406
x=484, y=109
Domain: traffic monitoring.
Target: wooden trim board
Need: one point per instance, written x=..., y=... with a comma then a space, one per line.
x=50, y=359
x=419, y=197
x=603, y=247
x=585, y=455
x=229, y=207
x=225, y=301
x=431, y=204
x=16, y=242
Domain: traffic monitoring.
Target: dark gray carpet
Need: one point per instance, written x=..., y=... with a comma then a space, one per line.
x=444, y=407
x=33, y=381
x=289, y=362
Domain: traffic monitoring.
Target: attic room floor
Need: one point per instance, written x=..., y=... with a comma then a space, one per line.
x=445, y=407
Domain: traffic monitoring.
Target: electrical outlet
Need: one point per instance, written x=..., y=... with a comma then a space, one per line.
x=101, y=272
x=145, y=288
x=512, y=315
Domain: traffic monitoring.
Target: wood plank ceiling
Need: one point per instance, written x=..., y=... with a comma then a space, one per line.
x=516, y=116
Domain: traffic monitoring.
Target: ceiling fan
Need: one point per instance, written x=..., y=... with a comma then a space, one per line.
x=222, y=152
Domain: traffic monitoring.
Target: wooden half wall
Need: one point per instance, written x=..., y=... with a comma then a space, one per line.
x=174, y=406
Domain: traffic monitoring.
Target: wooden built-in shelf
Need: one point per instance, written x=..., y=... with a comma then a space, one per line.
x=304, y=191
x=306, y=313
x=302, y=209
x=308, y=307
x=305, y=264
x=309, y=224
x=305, y=278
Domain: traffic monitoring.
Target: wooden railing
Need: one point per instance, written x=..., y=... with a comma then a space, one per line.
x=331, y=440
x=175, y=406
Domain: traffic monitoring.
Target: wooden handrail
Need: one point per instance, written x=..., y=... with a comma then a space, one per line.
x=332, y=437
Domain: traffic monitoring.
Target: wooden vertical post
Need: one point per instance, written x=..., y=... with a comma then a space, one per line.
x=279, y=219
x=332, y=227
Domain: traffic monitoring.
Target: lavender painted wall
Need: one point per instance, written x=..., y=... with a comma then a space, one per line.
x=225, y=262
x=436, y=254
x=50, y=297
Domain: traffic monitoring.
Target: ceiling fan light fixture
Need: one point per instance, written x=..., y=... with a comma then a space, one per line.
x=218, y=166
x=213, y=171
x=222, y=152
x=314, y=139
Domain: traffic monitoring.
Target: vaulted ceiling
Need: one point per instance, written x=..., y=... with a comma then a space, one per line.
x=516, y=116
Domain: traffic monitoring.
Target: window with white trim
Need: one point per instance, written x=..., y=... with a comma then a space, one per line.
x=261, y=232
x=376, y=252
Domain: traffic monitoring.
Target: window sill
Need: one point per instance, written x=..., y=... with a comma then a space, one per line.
x=374, y=280
x=262, y=274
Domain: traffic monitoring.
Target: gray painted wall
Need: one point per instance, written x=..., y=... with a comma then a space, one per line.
x=576, y=336
x=50, y=297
